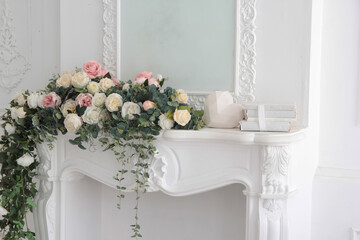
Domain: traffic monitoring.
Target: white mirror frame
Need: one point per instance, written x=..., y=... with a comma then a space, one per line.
x=245, y=57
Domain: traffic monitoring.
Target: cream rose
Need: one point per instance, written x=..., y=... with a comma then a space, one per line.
x=165, y=123
x=181, y=96
x=34, y=99
x=64, y=81
x=26, y=160
x=105, y=84
x=129, y=109
x=182, y=117
x=71, y=72
x=93, y=87
x=72, y=122
x=92, y=115
x=113, y=102
x=99, y=99
x=19, y=97
x=126, y=87
x=10, y=129
x=3, y=211
x=80, y=80
x=17, y=113
x=68, y=106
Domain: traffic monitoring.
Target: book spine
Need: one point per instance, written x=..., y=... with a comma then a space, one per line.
x=271, y=114
x=280, y=126
x=256, y=119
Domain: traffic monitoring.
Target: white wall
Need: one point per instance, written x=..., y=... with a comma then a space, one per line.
x=335, y=195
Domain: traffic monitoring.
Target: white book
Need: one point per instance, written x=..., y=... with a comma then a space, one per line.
x=252, y=119
x=273, y=107
x=250, y=113
x=271, y=126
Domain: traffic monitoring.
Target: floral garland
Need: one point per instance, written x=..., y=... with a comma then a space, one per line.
x=90, y=104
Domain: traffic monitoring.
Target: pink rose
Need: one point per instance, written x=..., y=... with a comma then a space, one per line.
x=93, y=69
x=104, y=71
x=115, y=81
x=51, y=100
x=148, y=105
x=154, y=81
x=141, y=77
x=84, y=99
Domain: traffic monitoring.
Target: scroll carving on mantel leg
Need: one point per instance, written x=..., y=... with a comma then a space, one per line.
x=157, y=172
x=45, y=212
x=275, y=190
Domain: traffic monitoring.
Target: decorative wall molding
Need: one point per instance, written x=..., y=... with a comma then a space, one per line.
x=14, y=64
x=337, y=173
x=245, y=56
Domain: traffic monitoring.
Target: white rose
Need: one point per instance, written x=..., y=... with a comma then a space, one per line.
x=19, y=97
x=10, y=129
x=113, y=102
x=17, y=113
x=92, y=115
x=105, y=84
x=182, y=117
x=64, y=81
x=126, y=87
x=33, y=100
x=40, y=102
x=93, y=87
x=80, y=80
x=20, y=112
x=69, y=105
x=13, y=111
x=181, y=96
x=129, y=109
x=99, y=99
x=25, y=160
x=72, y=122
x=3, y=211
x=165, y=123
x=71, y=72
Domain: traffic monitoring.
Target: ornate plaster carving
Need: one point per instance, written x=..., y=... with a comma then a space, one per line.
x=197, y=101
x=275, y=169
x=157, y=172
x=245, y=51
x=14, y=64
x=110, y=36
x=245, y=60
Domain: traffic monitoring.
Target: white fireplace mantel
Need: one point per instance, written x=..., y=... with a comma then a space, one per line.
x=191, y=162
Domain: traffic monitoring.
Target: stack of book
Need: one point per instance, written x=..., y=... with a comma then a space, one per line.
x=268, y=118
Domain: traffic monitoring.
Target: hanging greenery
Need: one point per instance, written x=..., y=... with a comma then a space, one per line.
x=92, y=105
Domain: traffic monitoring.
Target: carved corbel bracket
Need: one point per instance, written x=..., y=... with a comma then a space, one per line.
x=274, y=193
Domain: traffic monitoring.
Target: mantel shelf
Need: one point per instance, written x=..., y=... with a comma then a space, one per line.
x=235, y=136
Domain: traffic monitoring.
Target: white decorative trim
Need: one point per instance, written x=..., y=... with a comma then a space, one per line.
x=338, y=173
x=110, y=37
x=245, y=57
x=355, y=233
x=245, y=61
x=157, y=172
x=12, y=74
x=275, y=170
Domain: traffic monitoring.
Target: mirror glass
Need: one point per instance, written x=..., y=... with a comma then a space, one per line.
x=190, y=41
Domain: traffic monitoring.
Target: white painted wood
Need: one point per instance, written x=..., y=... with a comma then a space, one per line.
x=188, y=162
